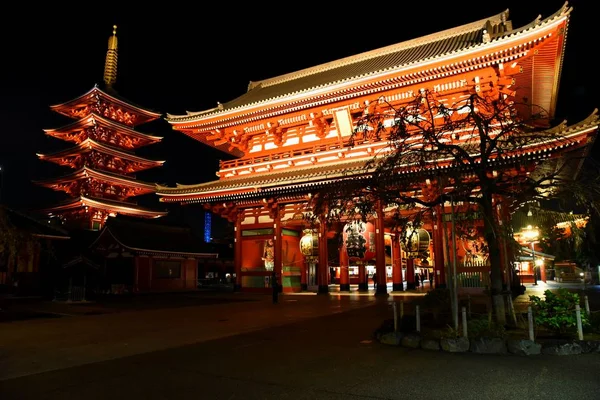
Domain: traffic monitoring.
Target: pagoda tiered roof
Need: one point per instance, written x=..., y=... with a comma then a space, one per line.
x=138, y=186
x=81, y=106
x=575, y=140
x=486, y=42
x=74, y=132
x=109, y=206
x=88, y=145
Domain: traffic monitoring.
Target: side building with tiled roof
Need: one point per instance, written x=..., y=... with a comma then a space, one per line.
x=150, y=256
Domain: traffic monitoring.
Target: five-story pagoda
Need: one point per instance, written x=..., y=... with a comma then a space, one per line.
x=103, y=157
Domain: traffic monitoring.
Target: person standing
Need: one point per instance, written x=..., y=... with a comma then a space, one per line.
x=374, y=280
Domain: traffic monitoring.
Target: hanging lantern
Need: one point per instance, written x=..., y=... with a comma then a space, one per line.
x=359, y=240
x=309, y=244
x=415, y=242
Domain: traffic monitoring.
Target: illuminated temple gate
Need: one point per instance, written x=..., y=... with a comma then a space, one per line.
x=291, y=134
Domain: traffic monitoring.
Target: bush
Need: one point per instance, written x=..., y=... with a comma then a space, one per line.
x=483, y=328
x=595, y=322
x=557, y=312
x=438, y=299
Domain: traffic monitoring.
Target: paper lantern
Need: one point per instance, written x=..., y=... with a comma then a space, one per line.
x=359, y=241
x=415, y=242
x=309, y=244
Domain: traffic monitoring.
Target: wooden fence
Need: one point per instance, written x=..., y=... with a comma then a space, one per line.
x=470, y=275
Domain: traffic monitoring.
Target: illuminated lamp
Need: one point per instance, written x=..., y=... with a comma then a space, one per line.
x=415, y=242
x=359, y=241
x=309, y=244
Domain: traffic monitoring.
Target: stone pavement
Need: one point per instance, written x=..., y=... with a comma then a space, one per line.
x=40, y=345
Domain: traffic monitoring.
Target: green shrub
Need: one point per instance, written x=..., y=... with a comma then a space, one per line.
x=449, y=333
x=557, y=312
x=595, y=322
x=483, y=328
x=438, y=299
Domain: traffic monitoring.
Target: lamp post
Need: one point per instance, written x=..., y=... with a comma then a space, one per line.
x=533, y=263
x=531, y=235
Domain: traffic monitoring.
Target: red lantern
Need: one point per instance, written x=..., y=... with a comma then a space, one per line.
x=359, y=240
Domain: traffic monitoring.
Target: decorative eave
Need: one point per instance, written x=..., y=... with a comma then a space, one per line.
x=162, y=253
x=86, y=172
x=93, y=119
x=89, y=144
x=504, y=48
x=146, y=115
x=110, y=206
x=580, y=135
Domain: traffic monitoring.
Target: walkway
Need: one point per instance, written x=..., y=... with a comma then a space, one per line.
x=76, y=338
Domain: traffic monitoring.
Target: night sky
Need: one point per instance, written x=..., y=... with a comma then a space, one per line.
x=174, y=58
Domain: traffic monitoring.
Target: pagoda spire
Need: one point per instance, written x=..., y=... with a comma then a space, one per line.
x=110, y=66
x=103, y=183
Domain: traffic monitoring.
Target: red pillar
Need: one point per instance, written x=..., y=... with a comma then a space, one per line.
x=380, y=251
x=323, y=274
x=303, y=275
x=237, y=255
x=398, y=284
x=278, y=240
x=410, y=274
x=363, y=285
x=344, y=272
x=438, y=249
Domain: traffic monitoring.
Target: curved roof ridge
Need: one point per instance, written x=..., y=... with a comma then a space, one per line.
x=248, y=99
x=407, y=44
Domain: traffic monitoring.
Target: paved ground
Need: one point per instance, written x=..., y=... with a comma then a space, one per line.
x=305, y=347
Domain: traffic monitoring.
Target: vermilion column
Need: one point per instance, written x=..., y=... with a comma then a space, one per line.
x=303, y=276
x=398, y=284
x=380, y=251
x=237, y=256
x=323, y=274
x=363, y=285
x=438, y=249
x=344, y=272
x=278, y=265
x=410, y=274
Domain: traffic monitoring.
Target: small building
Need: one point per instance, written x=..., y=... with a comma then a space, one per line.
x=143, y=256
x=26, y=252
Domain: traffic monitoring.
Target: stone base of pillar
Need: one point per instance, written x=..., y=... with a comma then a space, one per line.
x=398, y=287
x=237, y=287
x=410, y=286
x=363, y=287
x=381, y=290
x=323, y=289
x=344, y=287
x=303, y=286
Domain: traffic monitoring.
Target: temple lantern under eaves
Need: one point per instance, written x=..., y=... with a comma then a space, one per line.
x=359, y=241
x=309, y=245
x=415, y=242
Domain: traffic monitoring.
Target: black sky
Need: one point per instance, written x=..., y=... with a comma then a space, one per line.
x=174, y=58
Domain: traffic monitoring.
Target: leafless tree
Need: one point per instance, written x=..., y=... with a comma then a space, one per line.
x=475, y=151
